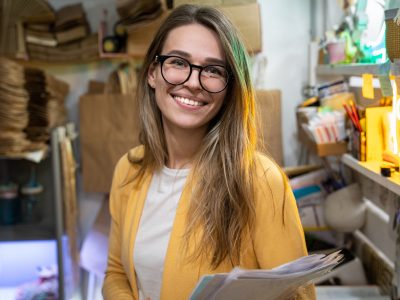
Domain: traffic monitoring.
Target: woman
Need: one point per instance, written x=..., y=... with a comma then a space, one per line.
x=196, y=198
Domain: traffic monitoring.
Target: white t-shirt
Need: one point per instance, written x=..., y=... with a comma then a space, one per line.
x=155, y=229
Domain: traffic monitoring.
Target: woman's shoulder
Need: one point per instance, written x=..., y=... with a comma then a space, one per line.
x=269, y=173
x=124, y=164
x=136, y=152
x=266, y=164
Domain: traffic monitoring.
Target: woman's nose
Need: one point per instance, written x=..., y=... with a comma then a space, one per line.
x=194, y=80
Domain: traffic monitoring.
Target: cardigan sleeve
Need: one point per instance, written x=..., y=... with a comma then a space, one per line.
x=116, y=284
x=278, y=235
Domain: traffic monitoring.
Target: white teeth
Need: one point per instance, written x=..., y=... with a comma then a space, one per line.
x=188, y=101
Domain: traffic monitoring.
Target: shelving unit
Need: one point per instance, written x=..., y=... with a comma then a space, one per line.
x=381, y=196
x=24, y=232
x=377, y=242
x=371, y=170
x=51, y=226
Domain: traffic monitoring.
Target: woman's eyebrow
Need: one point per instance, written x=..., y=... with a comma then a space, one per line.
x=187, y=55
x=179, y=53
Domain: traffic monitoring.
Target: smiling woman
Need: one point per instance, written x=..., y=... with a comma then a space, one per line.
x=196, y=198
x=184, y=103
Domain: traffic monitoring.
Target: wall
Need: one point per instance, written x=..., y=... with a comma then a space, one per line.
x=285, y=32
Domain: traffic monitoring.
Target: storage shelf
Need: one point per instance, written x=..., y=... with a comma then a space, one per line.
x=352, y=69
x=35, y=156
x=371, y=169
x=23, y=232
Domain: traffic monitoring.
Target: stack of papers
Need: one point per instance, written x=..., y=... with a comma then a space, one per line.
x=279, y=283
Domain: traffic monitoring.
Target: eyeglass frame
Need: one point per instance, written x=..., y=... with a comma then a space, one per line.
x=162, y=58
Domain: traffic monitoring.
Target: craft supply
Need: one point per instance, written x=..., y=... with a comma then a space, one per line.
x=367, y=87
x=353, y=116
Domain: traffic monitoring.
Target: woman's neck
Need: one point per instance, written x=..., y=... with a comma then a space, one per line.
x=182, y=145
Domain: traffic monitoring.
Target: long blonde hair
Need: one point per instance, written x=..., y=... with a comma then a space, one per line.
x=222, y=197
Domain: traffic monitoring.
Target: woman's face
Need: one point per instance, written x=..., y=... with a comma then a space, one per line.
x=187, y=105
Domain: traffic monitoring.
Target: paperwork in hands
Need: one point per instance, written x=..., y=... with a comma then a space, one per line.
x=279, y=283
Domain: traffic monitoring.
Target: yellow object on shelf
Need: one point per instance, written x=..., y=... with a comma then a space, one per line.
x=367, y=87
x=374, y=132
x=389, y=156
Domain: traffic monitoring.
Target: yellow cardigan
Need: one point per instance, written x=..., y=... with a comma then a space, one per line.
x=271, y=243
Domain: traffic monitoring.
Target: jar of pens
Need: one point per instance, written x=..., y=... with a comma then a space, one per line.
x=358, y=134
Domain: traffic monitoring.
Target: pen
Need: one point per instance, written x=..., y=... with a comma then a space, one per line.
x=355, y=113
x=352, y=117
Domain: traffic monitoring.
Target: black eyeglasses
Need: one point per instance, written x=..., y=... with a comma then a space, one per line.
x=177, y=70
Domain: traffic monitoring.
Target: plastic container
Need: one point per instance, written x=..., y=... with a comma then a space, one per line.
x=336, y=52
x=9, y=204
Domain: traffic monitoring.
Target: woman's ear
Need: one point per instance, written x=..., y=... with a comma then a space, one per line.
x=151, y=75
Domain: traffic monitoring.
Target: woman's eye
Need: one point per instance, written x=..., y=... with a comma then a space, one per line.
x=179, y=62
x=212, y=70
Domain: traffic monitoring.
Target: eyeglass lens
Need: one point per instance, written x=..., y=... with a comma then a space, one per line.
x=177, y=70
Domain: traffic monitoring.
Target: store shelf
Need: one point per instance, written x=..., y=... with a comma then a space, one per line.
x=371, y=169
x=22, y=232
x=354, y=69
x=35, y=156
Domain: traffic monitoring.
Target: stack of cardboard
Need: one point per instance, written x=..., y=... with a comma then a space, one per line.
x=71, y=24
x=85, y=49
x=13, y=107
x=13, y=15
x=66, y=38
x=31, y=103
x=136, y=13
x=46, y=104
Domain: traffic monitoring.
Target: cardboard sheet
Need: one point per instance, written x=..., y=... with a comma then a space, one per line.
x=108, y=129
x=270, y=122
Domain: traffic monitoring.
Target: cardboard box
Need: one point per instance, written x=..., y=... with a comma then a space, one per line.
x=108, y=129
x=247, y=20
x=321, y=150
x=268, y=104
x=248, y=24
x=139, y=38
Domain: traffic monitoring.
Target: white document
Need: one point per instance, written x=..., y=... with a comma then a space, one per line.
x=278, y=283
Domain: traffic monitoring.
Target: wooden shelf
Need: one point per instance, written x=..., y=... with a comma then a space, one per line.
x=23, y=232
x=354, y=69
x=35, y=156
x=371, y=169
